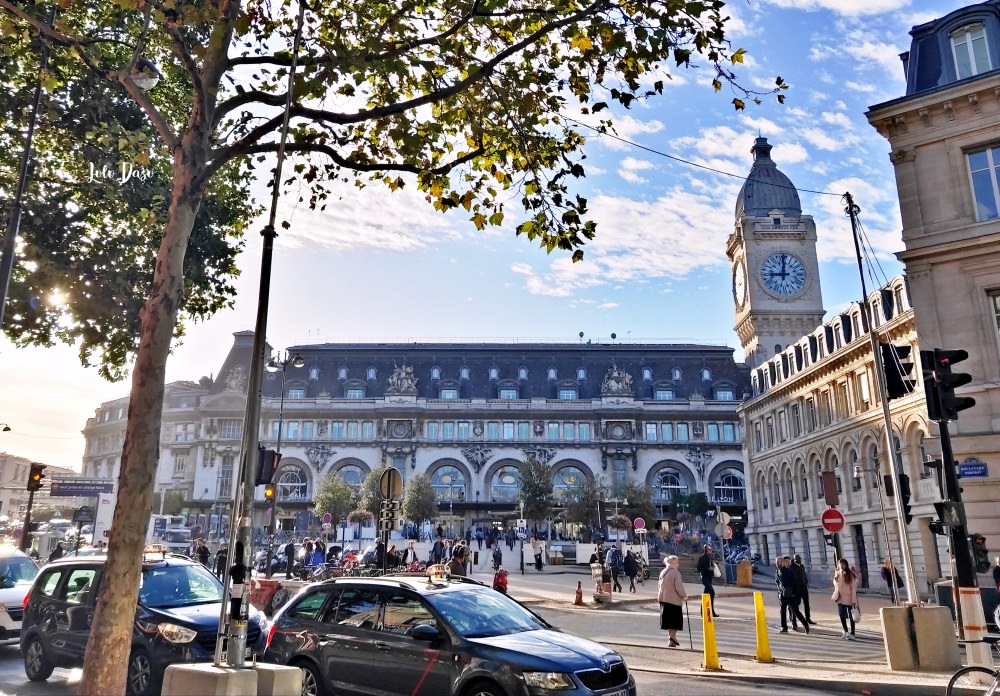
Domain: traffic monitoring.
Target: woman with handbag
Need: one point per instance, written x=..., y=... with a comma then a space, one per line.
x=846, y=596
x=671, y=595
x=709, y=571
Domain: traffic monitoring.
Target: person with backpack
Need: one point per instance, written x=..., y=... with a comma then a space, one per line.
x=615, y=563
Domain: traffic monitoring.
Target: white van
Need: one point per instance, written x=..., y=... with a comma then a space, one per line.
x=17, y=571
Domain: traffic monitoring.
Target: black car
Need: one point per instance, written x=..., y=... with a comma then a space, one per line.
x=422, y=636
x=176, y=619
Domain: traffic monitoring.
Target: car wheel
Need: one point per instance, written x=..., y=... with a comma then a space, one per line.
x=277, y=600
x=37, y=667
x=312, y=682
x=141, y=680
x=484, y=688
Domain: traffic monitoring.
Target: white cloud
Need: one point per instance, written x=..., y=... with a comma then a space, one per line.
x=851, y=8
x=630, y=128
x=608, y=305
x=825, y=141
x=630, y=166
x=632, y=177
x=861, y=87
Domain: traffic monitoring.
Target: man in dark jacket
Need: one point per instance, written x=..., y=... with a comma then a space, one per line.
x=787, y=579
x=706, y=568
x=289, y=559
x=803, y=588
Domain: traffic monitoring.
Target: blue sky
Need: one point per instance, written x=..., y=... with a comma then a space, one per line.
x=380, y=265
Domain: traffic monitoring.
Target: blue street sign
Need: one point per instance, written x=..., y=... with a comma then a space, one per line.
x=975, y=469
x=78, y=487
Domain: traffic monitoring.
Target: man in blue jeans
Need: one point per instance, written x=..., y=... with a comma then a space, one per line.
x=706, y=568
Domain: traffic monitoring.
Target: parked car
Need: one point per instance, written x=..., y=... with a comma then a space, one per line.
x=176, y=619
x=17, y=571
x=400, y=635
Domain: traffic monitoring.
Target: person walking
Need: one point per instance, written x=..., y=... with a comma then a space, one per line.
x=996, y=572
x=203, y=552
x=479, y=537
x=536, y=548
x=846, y=596
x=437, y=551
x=803, y=588
x=706, y=568
x=410, y=555
x=631, y=566
x=58, y=552
x=220, y=561
x=615, y=564
x=497, y=556
x=670, y=593
x=890, y=576
x=289, y=559
x=456, y=566
x=787, y=579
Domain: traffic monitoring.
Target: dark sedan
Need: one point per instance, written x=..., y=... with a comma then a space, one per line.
x=416, y=636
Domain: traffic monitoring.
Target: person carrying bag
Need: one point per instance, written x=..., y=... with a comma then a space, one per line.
x=846, y=596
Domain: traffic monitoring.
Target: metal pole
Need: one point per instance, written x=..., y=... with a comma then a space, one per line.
x=25, y=531
x=17, y=205
x=909, y=577
x=232, y=651
x=885, y=532
x=272, y=527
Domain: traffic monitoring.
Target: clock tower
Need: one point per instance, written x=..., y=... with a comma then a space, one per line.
x=772, y=251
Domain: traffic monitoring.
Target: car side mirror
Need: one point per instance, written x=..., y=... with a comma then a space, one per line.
x=425, y=632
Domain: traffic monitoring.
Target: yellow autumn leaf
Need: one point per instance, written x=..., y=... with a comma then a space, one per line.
x=582, y=42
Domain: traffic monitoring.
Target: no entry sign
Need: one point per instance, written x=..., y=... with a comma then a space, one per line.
x=833, y=520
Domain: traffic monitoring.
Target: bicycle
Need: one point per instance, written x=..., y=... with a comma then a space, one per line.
x=976, y=679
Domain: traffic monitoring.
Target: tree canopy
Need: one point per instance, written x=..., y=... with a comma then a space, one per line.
x=419, y=503
x=471, y=101
x=334, y=495
x=536, y=488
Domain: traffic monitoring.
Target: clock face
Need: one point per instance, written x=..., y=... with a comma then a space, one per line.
x=740, y=284
x=783, y=274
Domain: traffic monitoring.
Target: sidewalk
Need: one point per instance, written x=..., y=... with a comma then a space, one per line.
x=824, y=662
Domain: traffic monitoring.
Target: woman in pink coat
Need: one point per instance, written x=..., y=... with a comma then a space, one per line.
x=846, y=595
x=671, y=595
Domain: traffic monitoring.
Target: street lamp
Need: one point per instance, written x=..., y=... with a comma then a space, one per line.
x=273, y=365
x=859, y=473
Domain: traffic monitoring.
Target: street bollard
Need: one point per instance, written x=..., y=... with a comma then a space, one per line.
x=763, y=644
x=711, y=651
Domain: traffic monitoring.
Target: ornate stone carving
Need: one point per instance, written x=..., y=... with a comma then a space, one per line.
x=542, y=454
x=538, y=427
x=321, y=428
x=477, y=428
x=616, y=382
x=698, y=430
x=319, y=455
x=699, y=458
x=477, y=456
x=402, y=381
x=236, y=380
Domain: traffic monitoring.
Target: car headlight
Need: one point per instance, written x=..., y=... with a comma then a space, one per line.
x=548, y=680
x=177, y=634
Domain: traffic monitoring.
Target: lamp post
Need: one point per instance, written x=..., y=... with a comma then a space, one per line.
x=273, y=365
x=859, y=473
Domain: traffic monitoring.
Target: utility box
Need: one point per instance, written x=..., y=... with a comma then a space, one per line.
x=744, y=574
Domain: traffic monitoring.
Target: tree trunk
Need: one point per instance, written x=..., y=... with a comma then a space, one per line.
x=105, y=664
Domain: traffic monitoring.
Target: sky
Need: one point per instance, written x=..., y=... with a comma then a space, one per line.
x=380, y=265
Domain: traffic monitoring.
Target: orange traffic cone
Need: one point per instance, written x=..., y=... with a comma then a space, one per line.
x=579, y=595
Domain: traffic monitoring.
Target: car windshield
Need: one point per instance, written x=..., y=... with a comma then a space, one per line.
x=484, y=614
x=166, y=586
x=15, y=571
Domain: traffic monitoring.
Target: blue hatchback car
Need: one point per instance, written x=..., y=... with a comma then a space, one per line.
x=424, y=636
x=176, y=619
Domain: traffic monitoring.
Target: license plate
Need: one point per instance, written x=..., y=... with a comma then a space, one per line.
x=620, y=692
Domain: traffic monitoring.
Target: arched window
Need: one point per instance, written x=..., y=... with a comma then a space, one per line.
x=971, y=53
x=522, y=373
x=435, y=373
x=553, y=373
x=569, y=478
x=292, y=483
x=730, y=487
x=675, y=374
x=225, y=491
x=371, y=373
x=353, y=475
x=647, y=374
x=706, y=374
x=463, y=373
x=505, y=486
x=313, y=373
x=805, y=483
x=855, y=479
x=820, y=493
x=494, y=373
x=342, y=373
x=775, y=489
x=448, y=484
x=789, y=488
x=668, y=484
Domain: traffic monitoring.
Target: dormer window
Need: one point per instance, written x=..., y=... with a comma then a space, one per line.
x=463, y=373
x=776, y=221
x=553, y=374
x=675, y=374
x=313, y=373
x=647, y=374
x=508, y=394
x=371, y=373
x=448, y=393
x=581, y=373
x=522, y=373
x=494, y=373
x=342, y=373
x=706, y=375
x=435, y=373
x=972, y=55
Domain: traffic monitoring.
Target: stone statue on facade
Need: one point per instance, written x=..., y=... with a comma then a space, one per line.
x=236, y=380
x=477, y=456
x=700, y=459
x=402, y=381
x=319, y=455
x=617, y=381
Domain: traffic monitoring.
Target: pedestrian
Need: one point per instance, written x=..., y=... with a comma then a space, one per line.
x=787, y=579
x=479, y=537
x=220, y=561
x=536, y=548
x=890, y=576
x=57, y=552
x=497, y=556
x=456, y=566
x=631, y=570
x=996, y=573
x=670, y=593
x=437, y=551
x=708, y=568
x=319, y=553
x=410, y=555
x=203, y=552
x=803, y=587
x=289, y=559
x=846, y=596
x=615, y=562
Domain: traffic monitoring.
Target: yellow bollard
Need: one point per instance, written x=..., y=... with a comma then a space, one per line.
x=708, y=632
x=763, y=645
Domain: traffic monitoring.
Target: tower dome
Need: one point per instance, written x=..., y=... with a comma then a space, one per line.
x=766, y=188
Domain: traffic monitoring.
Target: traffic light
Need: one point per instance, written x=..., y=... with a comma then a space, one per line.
x=898, y=382
x=980, y=554
x=35, y=477
x=828, y=538
x=937, y=527
x=940, y=383
x=904, y=498
x=269, y=492
x=267, y=465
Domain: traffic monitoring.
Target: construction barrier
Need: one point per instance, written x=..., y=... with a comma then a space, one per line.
x=763, y=644
x=711, y=650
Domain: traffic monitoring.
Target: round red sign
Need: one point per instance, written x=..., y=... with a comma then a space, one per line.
x=639, y=523
x=833, y=520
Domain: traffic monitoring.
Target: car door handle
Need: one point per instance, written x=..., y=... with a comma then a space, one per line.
x=383, y=647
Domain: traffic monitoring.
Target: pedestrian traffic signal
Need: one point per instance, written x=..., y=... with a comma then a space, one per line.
x=267, y=465
x=940, y=383
x=898, y=382
x=904, y=498
x=828, y=538
x=980, y=554
x=269, y=492
x=937, y=527
x=35, y=477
